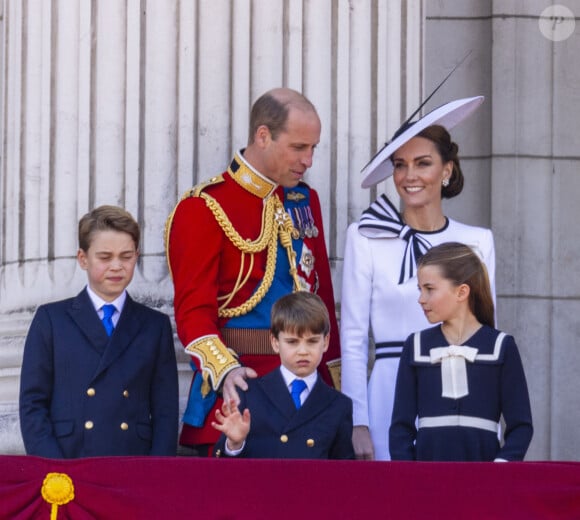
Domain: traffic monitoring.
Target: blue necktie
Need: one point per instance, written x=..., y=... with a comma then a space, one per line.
x=108, y=311
x=298, y=385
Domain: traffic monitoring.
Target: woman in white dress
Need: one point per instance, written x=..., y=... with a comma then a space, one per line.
x=379, y=286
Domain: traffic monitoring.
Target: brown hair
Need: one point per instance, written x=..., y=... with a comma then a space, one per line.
x=460, y=265
x=298, y=313
x=271, y=109
x=448, y=150
x=106, y=218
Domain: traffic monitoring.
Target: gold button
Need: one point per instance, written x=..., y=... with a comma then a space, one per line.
x=91, y=392
x=124, y=426
x=284, y=438
x=218, y=453
x=89, y=425
x=310, y=443
x=125, y=393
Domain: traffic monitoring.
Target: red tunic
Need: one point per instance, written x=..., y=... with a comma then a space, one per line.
x=207, y=264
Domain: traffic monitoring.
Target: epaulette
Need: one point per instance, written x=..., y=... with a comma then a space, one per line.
x=191, y=192
x=196, y=190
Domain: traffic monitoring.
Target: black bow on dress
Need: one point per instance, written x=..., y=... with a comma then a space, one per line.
x=382, y=220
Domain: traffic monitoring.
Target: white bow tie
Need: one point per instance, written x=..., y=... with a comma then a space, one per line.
x=453, y=368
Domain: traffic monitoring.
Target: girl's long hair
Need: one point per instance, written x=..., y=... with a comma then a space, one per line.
x=459, y=264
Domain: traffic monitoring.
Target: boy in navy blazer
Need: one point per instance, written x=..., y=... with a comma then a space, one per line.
x=290, y=412
x=99, y=375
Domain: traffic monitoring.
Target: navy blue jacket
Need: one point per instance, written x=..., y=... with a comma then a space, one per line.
x=320, y=429
x=497, y=387
x=84, y=394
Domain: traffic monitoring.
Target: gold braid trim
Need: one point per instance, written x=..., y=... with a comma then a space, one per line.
x=274, y=216
x=267, y=239
x=257, y=297
x=286, y=232
x=191, y=192
x=335, y=370
x=225, y=300
x=215, y=359
x=246, y=246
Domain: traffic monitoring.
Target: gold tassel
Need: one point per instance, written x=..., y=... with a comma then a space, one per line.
x=57, y=490
x=286, y=232
x=205, y=386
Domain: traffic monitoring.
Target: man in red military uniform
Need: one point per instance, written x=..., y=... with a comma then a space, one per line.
x=238, y=242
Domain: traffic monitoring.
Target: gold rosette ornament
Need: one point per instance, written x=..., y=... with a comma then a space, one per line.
x=57, y=490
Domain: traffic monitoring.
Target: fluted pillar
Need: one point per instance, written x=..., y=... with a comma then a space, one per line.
x=132, y=102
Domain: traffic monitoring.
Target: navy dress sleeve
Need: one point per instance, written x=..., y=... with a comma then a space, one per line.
x=403, y=432
x=515, y=405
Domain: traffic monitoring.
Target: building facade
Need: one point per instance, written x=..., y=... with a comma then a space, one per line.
x=132, y=102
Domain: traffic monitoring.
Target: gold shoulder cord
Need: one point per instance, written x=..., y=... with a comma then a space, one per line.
x=287, y=232
x=216, y=359
x=246, y=246
x=275, y=222
x=191, y=192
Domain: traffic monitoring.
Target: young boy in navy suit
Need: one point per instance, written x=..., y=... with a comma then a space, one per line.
x=290, y=412
x=99, y=375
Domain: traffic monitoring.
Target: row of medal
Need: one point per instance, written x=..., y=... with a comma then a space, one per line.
x=304, y=221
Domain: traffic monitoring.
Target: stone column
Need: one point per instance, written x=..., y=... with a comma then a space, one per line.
x=90, y=111
x=521, y=164
x=536, y=188
x=133, y=102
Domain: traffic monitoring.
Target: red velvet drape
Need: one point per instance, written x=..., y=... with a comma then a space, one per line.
x=184, y=487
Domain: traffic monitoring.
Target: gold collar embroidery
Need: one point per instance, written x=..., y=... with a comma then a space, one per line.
x=250, y=179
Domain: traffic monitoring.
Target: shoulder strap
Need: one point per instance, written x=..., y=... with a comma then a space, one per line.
x=191, y=192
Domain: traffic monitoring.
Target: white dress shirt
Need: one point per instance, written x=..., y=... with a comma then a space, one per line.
x=98, y=303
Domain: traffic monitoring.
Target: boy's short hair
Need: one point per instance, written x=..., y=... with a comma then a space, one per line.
x=105, y=218
x=298, y=313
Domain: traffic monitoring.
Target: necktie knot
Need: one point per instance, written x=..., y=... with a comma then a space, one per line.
x=298, y=386
x=108, y=311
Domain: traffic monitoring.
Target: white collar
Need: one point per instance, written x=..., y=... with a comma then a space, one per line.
x=289, y=376
x=98, y=302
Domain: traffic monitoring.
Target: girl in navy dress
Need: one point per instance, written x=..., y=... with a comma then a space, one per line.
x=456, y=380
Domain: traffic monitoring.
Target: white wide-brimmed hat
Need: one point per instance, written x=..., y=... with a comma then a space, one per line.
x=380, y=166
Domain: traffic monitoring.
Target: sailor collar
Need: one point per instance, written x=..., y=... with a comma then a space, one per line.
x=249, y=178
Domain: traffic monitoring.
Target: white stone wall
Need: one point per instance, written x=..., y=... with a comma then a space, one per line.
x=536, y=188
x=133, y=102
x=522, y=164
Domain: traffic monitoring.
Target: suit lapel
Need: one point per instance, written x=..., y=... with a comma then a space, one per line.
x=127, y=328
x=87, y=320
x=274, y=388
x=319, y=399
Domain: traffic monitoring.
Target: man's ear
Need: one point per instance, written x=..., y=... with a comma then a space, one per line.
x=82, y=259
x=274, y=343
x=263, y=136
